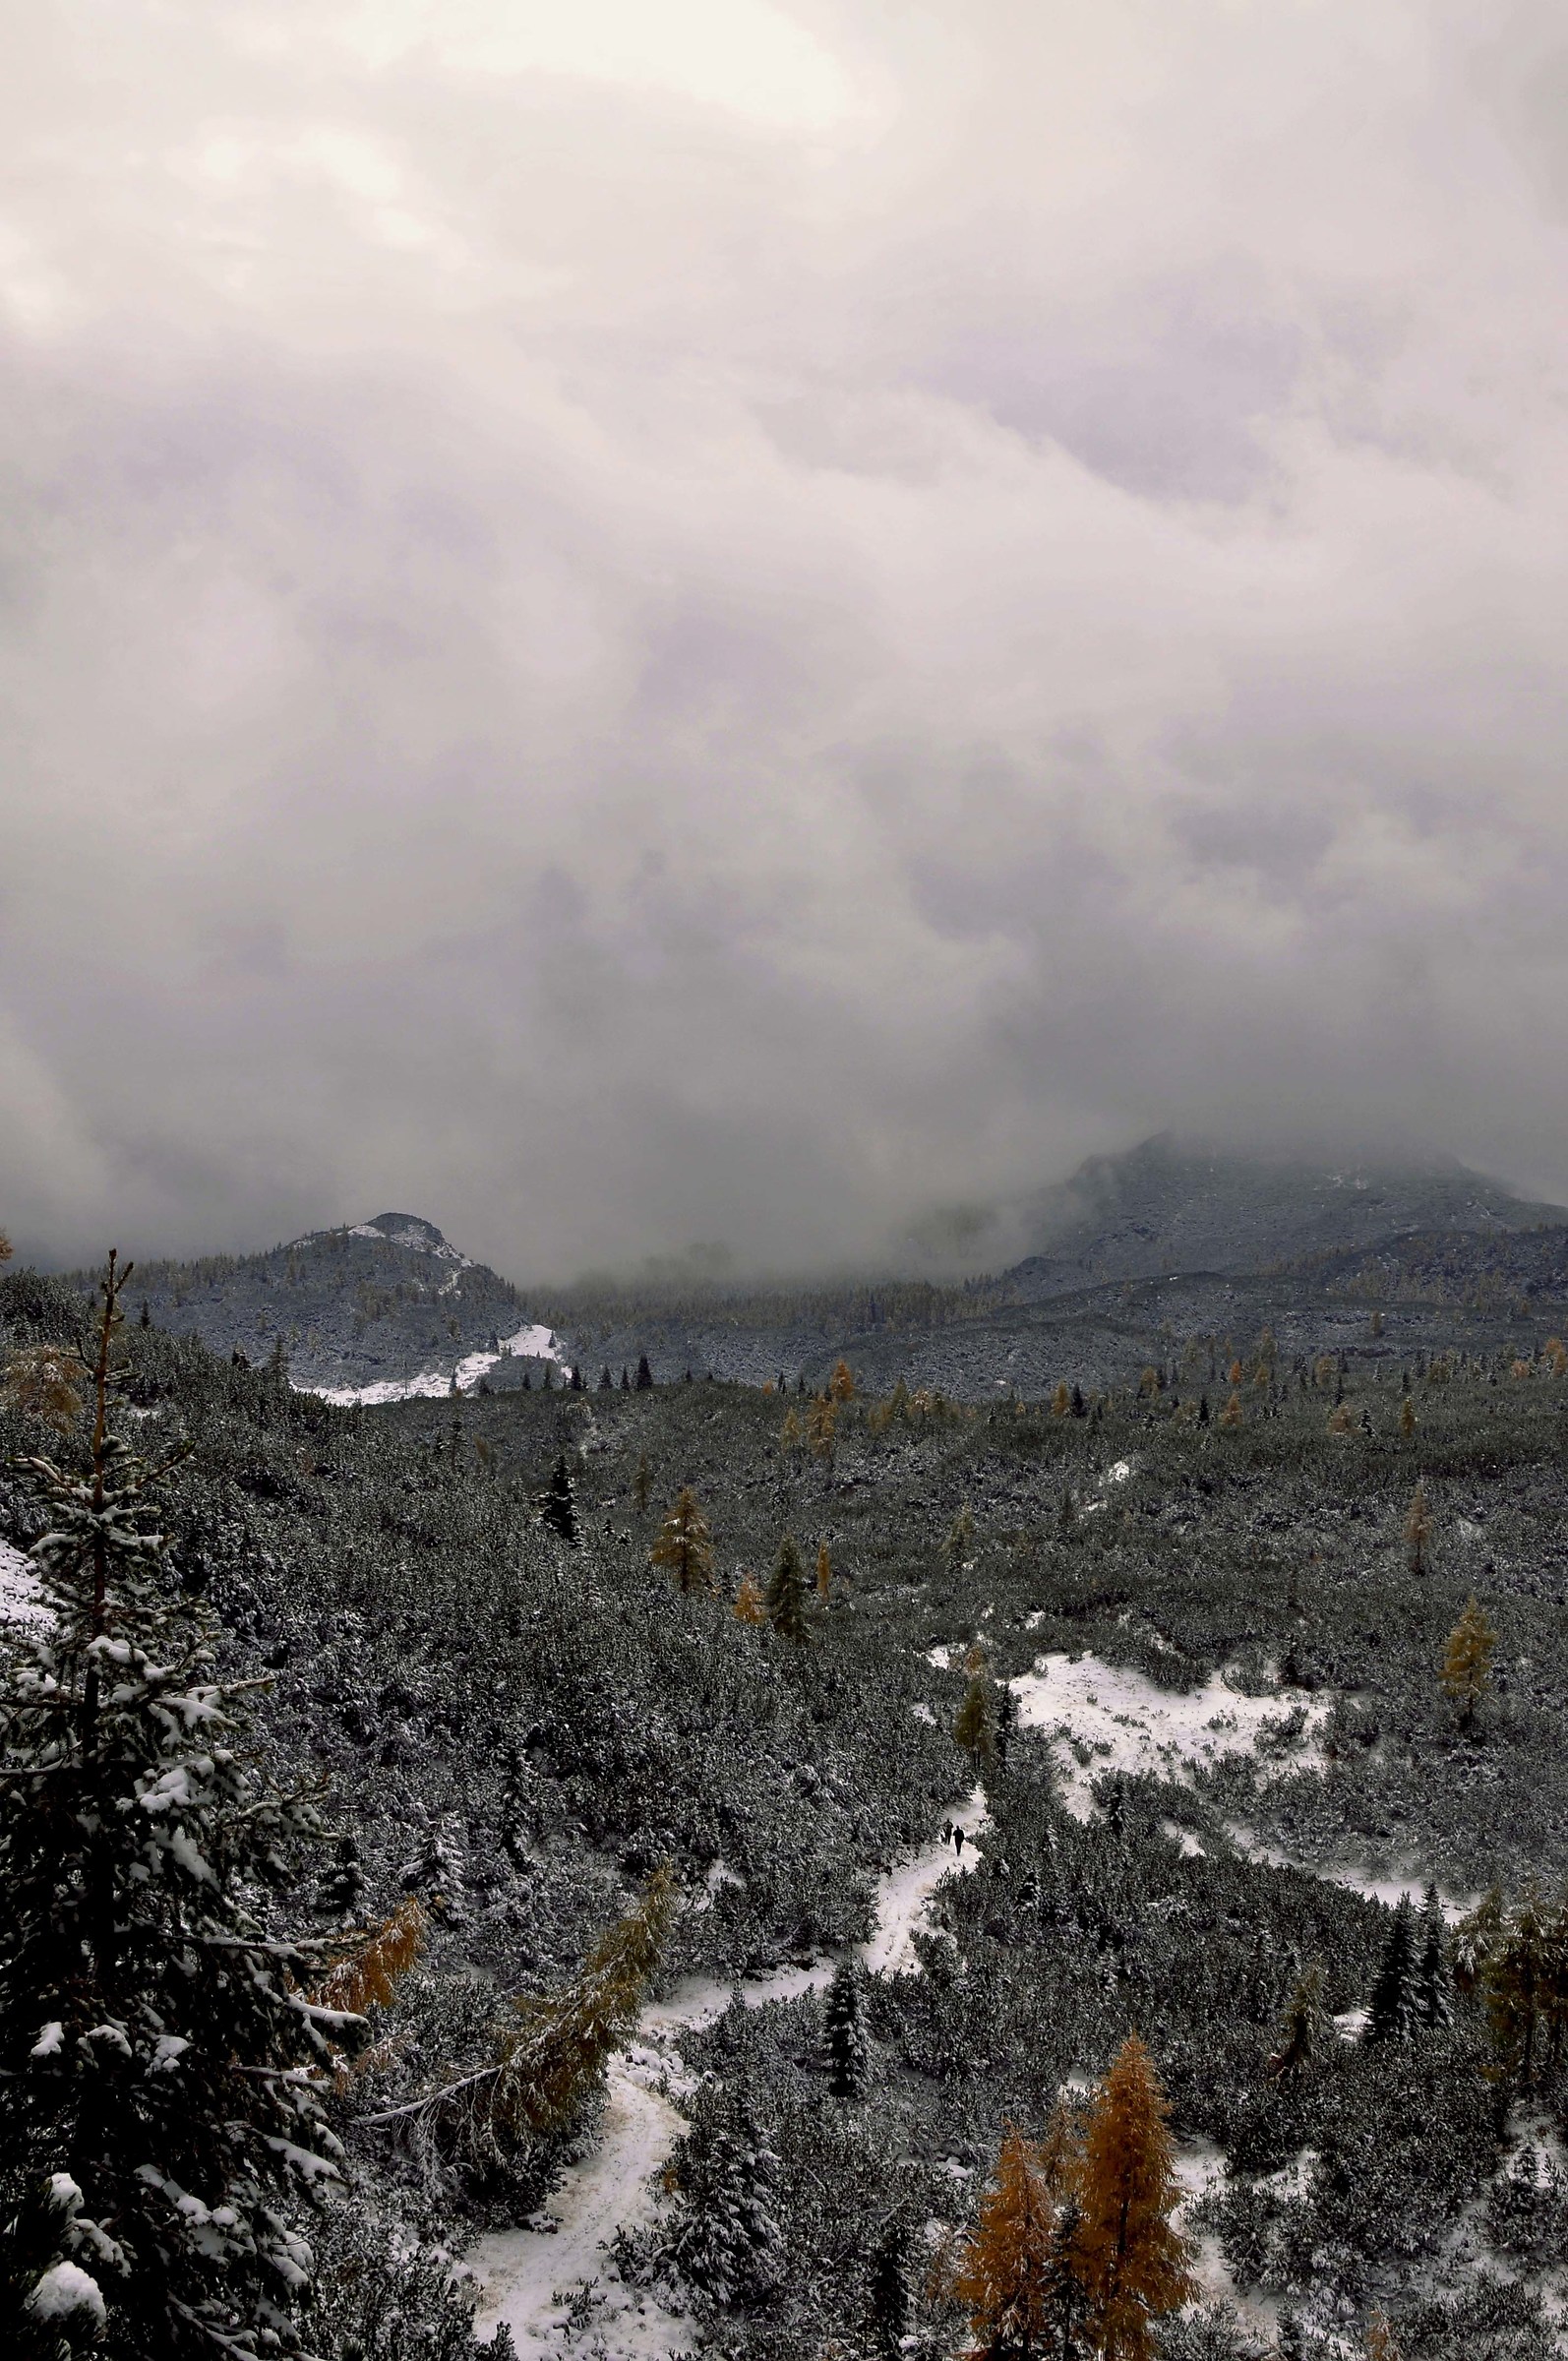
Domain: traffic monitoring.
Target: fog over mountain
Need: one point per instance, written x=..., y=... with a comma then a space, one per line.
x=730, y=624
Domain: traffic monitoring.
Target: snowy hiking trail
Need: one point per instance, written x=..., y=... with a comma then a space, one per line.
x=523, y=2270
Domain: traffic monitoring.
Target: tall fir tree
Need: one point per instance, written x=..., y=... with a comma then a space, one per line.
x=1434, y=2000
x=848, y=2052
x=1137, y=2263
x=163, y=2131
x=558, y=1504
x=786, y=1594
x=727, y=2243
x=1394, y=2014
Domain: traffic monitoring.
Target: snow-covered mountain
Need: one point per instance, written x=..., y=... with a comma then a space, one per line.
x=375, y=1311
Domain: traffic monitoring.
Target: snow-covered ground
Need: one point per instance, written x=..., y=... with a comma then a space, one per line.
x=1120, y=1721
x=19, y=1587
x=525, y=2272
x=533, y=1343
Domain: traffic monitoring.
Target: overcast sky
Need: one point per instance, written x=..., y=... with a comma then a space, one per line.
x=667, y=620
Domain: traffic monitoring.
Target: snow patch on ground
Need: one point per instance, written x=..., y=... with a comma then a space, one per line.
x=1120, y=1721
x=19, y=1597
x=526, y=2273
x=533, y=1343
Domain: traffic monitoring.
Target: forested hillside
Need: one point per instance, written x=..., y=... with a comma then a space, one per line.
x=1236, y=1653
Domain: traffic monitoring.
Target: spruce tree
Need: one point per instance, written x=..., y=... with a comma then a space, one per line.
x=727, y=2243
x=644, y=1376
x=849, y=2065
x=1434, y=2004
x=163, y=2129
x=1395, y=2012
x=786, y=1594
x=558, y=1504
x=1135, y=2262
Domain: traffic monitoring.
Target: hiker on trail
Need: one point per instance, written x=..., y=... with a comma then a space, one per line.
x=958, y=1843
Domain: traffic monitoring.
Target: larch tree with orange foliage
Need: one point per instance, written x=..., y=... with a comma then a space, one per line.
x=841, y=1385
x=1004, y=2283
x=1135, y=2261
x=685, y=1546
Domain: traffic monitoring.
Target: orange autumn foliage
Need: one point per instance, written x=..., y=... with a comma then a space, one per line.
x=1134, y=2262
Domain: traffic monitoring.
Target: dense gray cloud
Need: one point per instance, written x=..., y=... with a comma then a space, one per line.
x=724, y=620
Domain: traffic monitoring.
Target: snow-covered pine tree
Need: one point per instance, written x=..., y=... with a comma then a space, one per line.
x=1515, y=1977
x=160, y=2056
x=1395, y=2010
x=343, y=1885
x=726, y=2243
x=558, y=1502
x=437, y=1871
x=785, y=1598
x=517, y=1806
x=849, y=2063
x=1303, y=2026
x=1435, y=2003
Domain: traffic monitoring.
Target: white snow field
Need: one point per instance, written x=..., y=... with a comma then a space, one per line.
x=527, y=2274
x=530, y=1344
x=20, y=1602
x=1107, y=1717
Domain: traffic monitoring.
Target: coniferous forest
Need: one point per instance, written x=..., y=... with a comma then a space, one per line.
x=1075, y=1876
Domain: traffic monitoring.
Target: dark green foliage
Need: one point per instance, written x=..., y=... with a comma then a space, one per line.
x=1434, y=1983
x=848, y=2058
x=565, y=1719
x=153, y=2034
x=725, y=2244
x=1395, y=2013
x=558, y=1506
x=787, y=1595
x=890, y=2306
